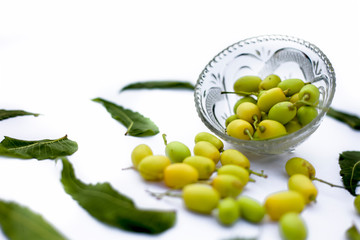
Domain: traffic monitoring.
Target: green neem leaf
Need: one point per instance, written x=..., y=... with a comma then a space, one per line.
x=40, y=150
x=352, y=120
x=112, y=208
x=137, y=125
x=5, y=114
x=352, y=233
x=159, y=85
x=349, y=162
x=19, y=222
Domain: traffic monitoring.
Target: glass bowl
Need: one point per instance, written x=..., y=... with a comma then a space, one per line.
x=286, y=56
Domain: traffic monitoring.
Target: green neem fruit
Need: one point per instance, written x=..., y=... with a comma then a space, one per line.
x=207, y=149
x=235, y=170
x=242, y=100
x=200, y=198
x=291, y=85
x=240, y=129
x=139, y=153
x=152, y=167
x=177, y=151
x=282, y=112
x=228, y=185
x=269, y=98
x=208, y=137
x=268, y=129
x=297, y=165
x=251, y=210
x=247, y=84
x=204, y=165
x=230, y=119
x=269, y=82
x=292, y=227
x=293, y=126
x=249, y=112
x=309, y=94
x=227, y=211
x=306, y=114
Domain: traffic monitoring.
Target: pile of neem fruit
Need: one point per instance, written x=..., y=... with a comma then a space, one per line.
x=210, y=181
x=271, y=107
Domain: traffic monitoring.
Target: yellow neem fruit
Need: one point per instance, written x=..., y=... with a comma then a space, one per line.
x=243, y=99
x=249, y=112
x=228, y=185
x=233, y=156
x=152, y=167
x=139, y=152
x=240, y=129
x=279, y=203
x=269, y=98
x=178, y=175
x=208, y=137
x=236, y=171
x=302, y=184
x=200, y=198
x=204, y=165
x=268, y=129
x=206, y=149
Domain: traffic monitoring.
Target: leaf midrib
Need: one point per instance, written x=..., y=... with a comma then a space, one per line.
x=33, y=145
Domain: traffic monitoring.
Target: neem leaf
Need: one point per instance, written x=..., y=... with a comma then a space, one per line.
x=110, y=207
x=352, y=233
x=40, y=150
x=137, y=125
x=5, y=114
x=350, y=119
x=19, y=222
x=349, y=162
x=159, y=85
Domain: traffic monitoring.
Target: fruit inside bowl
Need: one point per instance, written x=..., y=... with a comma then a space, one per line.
x=266, y=94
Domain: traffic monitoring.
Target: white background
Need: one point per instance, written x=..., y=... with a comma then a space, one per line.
x=55, y=56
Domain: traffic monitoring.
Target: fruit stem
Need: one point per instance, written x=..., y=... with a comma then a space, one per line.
x=205, y=181
x=328, y=183
x=168, y=193
x=286, y=91
x=306, y=97
x=128, y=168
x=262, y=129
x=261, y=174
x=241, y=93
x=303, y=101
x=164, y=138
x=256, y=121
x=247, y=132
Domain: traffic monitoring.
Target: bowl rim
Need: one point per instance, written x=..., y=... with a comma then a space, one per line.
x=262, y=38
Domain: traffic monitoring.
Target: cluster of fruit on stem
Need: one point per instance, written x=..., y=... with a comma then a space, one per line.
x=271, y=107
